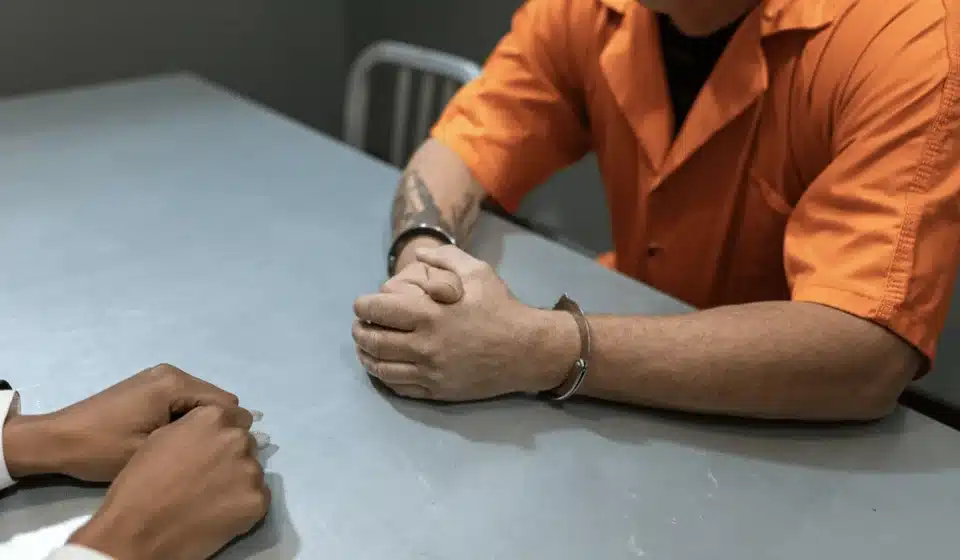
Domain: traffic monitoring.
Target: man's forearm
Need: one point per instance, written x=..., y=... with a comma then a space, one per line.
x=415, y=203
x=436, y=189
x=779, y=360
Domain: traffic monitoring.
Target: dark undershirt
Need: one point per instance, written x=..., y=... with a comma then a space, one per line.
x=688, y=62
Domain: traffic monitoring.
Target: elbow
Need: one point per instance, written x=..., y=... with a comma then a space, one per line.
x=861, y=395
x=872, y=395
x=869, y=410
x=845, y=406
x=869, y=387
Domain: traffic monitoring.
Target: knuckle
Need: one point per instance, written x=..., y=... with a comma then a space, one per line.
x=162, y=368
x=425, y=349
x=361, y=355
x=436, y=377
x=167, y=375
x=167, y=370
x=376, y=308
x=389, y=286
x=396, y=284
x=252, y=472
x=374, y=368
x=260, y=502
x=237, y=439
x=212, y=415
x=363, y=358
x=373, y=343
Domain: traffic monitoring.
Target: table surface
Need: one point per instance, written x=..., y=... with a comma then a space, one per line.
x=166, y=220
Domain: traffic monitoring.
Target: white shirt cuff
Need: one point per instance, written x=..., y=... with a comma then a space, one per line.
x=74, y=552
x=9, y=405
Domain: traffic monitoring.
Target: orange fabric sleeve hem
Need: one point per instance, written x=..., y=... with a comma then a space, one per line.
x=921, y=336
x=446, y=134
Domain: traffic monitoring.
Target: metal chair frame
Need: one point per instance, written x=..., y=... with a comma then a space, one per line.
x=453, y=72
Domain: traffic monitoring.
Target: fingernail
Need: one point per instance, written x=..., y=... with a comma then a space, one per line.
x=257, y=415
x=262, y=439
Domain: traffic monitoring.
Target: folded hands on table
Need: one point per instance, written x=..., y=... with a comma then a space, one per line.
x=447, y=328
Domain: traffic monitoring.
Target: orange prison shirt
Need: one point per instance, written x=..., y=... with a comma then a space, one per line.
x=820, y=162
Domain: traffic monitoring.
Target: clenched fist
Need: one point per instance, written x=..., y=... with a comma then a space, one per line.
x=191, y=488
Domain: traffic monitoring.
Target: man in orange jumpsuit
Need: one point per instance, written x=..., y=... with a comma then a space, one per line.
x=789, y=167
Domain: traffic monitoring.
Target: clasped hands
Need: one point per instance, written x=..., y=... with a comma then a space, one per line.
x=447, y=328
x=179, y=454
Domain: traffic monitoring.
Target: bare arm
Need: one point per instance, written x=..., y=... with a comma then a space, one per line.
x=778, y=360
x=812, y=361
x=437, y=189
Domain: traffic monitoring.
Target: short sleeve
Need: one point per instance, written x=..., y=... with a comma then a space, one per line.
x=877, y=233
x=522, y=119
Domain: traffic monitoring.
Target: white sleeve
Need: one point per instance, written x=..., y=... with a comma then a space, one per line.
x=74, y=552
x=9, y=404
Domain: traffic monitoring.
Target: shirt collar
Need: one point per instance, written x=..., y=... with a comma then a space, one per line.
x=619, y=6
x=789, y=15
x=778, y=15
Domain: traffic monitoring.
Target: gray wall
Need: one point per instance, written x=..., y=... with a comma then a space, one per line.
x=289, y=54
x=572, y=203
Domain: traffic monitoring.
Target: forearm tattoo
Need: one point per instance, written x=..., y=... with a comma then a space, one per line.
x=413, y=205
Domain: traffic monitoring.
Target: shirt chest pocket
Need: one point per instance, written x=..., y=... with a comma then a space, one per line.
x=755, y=265
x=771, y=188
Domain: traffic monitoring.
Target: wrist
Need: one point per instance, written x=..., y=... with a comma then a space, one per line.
x=31, y=445
x=408, y=252
x=551, y=350
x=120, y=536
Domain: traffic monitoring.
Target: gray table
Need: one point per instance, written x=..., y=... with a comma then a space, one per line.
x=166, y=220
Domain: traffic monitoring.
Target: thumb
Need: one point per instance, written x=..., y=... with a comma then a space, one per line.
x=442, y=285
